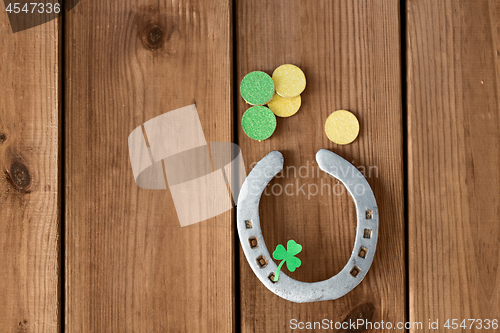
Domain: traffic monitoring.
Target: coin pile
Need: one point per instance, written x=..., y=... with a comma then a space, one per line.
x=281, y=94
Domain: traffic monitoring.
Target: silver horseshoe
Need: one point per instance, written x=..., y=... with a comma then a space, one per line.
x=259, y=258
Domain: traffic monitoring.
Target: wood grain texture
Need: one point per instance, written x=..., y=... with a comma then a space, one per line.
x=130, y=267
x=453, y=159
x=350, y=53
x=30, y=99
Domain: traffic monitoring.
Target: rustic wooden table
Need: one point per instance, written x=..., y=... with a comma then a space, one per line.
x=83, y=249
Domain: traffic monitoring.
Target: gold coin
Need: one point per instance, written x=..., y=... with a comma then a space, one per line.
x=342, y=127
x=289, y=80
x=285, y=107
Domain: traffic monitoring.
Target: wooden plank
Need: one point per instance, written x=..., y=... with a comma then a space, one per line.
x=30, y=99
x=130, y=266
x=350, y=53
x=453, y=159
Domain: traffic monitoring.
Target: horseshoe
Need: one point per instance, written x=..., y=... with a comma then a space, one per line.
x=259, y=258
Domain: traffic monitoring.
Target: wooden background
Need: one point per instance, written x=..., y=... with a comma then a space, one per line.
x=83, y=249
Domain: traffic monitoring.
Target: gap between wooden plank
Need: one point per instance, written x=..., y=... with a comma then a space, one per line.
x=404, y=105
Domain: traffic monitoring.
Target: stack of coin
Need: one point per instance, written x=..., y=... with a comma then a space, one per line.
x=281, y=93
x=290, y=82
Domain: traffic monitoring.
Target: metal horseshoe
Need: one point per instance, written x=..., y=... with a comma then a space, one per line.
x=259, y=258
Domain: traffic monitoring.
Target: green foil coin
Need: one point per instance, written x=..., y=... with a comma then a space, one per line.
x=258, y=122
x=257, y=88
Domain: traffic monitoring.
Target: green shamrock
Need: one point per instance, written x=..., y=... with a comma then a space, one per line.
x=292, y=262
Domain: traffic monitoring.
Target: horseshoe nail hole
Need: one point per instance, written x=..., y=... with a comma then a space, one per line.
x=271, y=277
x=363, y=251
x=253, y=242
x=262, y=261
x=368, y=214
x=355, y=271
x=248, y=224
x=367, y=233
x=3, y=137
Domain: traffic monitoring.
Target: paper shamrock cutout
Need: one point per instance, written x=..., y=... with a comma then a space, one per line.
x=288, y=255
